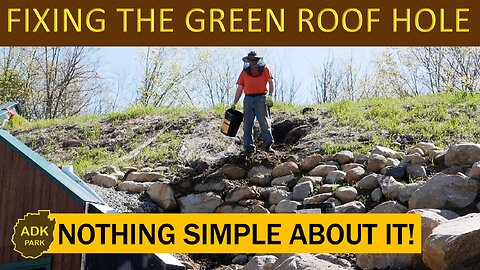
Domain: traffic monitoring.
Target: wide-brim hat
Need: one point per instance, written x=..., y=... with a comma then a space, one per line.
x=252, y=56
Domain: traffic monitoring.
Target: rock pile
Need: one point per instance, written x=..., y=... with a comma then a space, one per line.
x=443, y=186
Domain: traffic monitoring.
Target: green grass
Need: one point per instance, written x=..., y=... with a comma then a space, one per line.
x=72, y=120
x=331, y=147
x=132, y=111
x=219, y=110
x=287, y=108
x=16, y=122
x=166, y=148
x=88, y=158
x=438, y=118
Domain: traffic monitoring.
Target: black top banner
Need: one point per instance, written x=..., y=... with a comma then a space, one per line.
x=239, y=23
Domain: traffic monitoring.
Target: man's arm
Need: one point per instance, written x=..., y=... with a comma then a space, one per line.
x=238, y=94
x=271, y=87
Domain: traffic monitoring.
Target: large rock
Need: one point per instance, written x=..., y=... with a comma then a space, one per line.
x=260, y=176
x=385, y=261
x=440, y=158
x=427, y=148
x=232, y=208
x=302, y=191
x=376, y=162
x=376, y=194
x=397, y=172
x=412, y=160
x=143, y=176
x=322, y=170
x=283, y=180
x=110, y=169
x=335, y=177
x=416, y=171
x=445, y=191
x=390, y=187
x=286, y=206
x=265, y=192
x=355, y=174
x=105, y=180
x=349, y=166
x=259, y=170
x=260, y=262
x=304, y=262
x=133, y=187
x=199, y=203
x=448, y=214
x=212, y=184
x=240, y=259
x=327, y=188
x=386, y=152
x=333, y=259
x=344, y=157
x=462, y=154
x=260, y=209
x=368, y=182
x=315, y=180
x=310, y=162
x=278, y=195
x=389, y=207
x=430, y=220
x=408, y=190
x=163, y=195
x=393, y=162
x=416, y=150
x=346, y=194
x=360, y=158
x=351, y=207
x=241, y=193
x=233, y=172
x=285, y=168
x=319, y=198
x=475, y=171
x=336, y=201
x=454, y=244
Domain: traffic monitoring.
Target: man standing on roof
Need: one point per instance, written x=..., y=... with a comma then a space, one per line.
x=257, y=102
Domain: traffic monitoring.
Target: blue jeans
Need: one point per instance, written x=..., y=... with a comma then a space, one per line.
x=254, y=106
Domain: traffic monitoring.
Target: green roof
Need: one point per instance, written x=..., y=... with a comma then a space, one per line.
x=49, y=169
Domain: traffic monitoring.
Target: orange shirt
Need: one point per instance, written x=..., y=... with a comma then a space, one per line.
x=254, y=85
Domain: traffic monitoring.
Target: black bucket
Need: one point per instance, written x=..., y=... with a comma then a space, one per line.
x=231, y=123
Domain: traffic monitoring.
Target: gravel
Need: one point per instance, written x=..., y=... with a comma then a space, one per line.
x=125, y=202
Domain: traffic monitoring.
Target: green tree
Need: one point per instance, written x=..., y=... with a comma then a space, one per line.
x=50, y=82
x=327, y=79
x=215, y=72
x=16, y=77
x=165, y=72
x=287, y=81
x=67, y=81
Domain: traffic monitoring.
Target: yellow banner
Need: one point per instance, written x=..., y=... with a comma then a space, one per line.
x=233, y=233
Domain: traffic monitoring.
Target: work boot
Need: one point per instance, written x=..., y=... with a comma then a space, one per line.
x=269, y=149
x=247, y=152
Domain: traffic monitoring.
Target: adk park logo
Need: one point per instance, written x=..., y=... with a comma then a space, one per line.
x=33, y=234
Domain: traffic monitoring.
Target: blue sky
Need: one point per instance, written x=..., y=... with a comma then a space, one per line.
x=123, y=69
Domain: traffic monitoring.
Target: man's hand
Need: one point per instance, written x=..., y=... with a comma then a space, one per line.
x=269, y=101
